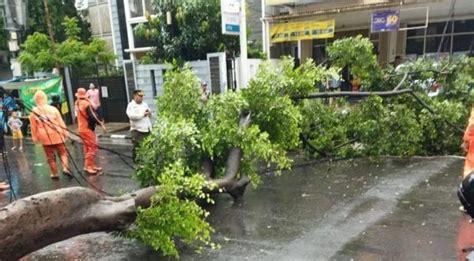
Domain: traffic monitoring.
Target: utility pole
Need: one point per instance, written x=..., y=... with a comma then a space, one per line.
x=48, y=22
x=50, y=30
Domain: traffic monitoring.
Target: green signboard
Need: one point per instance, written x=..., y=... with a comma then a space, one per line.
x=50, y=86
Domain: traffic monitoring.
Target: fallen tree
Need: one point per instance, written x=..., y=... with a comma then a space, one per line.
x=37, y=221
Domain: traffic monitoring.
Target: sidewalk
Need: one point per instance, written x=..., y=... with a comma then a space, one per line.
x=116, y=130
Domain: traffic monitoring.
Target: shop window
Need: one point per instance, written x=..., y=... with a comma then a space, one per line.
x=415, y=46
x=464, y=26
x=319, y=54
x=415, y=32
x=438, y=28
x=463, y=43
x=432, y=44
x=432, y=29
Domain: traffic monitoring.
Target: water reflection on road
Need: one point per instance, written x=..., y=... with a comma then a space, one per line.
x=31, y=174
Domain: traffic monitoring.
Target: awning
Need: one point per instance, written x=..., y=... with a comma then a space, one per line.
x=17, y=85
x=2, y=83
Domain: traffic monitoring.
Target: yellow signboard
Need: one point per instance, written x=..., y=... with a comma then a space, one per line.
x=295, y=31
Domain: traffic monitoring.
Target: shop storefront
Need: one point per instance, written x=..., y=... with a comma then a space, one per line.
x=426, y=28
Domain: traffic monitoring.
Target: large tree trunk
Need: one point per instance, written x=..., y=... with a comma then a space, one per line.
x=34, y=222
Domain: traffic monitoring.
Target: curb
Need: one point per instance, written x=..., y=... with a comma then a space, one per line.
x=116, y=136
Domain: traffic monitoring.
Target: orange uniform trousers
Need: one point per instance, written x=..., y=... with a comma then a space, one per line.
x=50, y=150
x=90, y=146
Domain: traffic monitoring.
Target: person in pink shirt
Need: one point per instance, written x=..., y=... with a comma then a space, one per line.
x=94, y=96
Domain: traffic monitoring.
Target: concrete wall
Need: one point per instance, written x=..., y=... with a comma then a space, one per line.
x=144, y=79
x=252, y=68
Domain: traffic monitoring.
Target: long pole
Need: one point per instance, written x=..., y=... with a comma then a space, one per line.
x=243, y=46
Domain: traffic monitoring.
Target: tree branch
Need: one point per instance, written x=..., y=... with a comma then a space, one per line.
x=232, y=166
x=351, y=94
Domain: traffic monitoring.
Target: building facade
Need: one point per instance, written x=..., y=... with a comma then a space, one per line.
x=107, y=20
x=135, y=13
x=427, y=27
x=13, y=16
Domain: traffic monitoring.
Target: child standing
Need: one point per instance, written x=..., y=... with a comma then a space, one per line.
x=15, y=125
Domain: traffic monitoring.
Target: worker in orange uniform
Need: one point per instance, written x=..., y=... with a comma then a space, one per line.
x=48, y=129
x=469, y=145
x=87, y=119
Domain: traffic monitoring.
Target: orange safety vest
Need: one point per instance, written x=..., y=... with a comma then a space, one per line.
x=82, y=105
x=47, y=125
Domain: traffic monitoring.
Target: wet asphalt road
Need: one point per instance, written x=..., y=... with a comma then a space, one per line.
x=392, y=209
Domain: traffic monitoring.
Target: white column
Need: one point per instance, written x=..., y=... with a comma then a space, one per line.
x=264, y=30
x=299, y=51
x=243, y=46
x=267, y=47
x=112, y=29
x=131, y=43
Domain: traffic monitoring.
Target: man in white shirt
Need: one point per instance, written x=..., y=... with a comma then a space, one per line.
x=140, y=124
